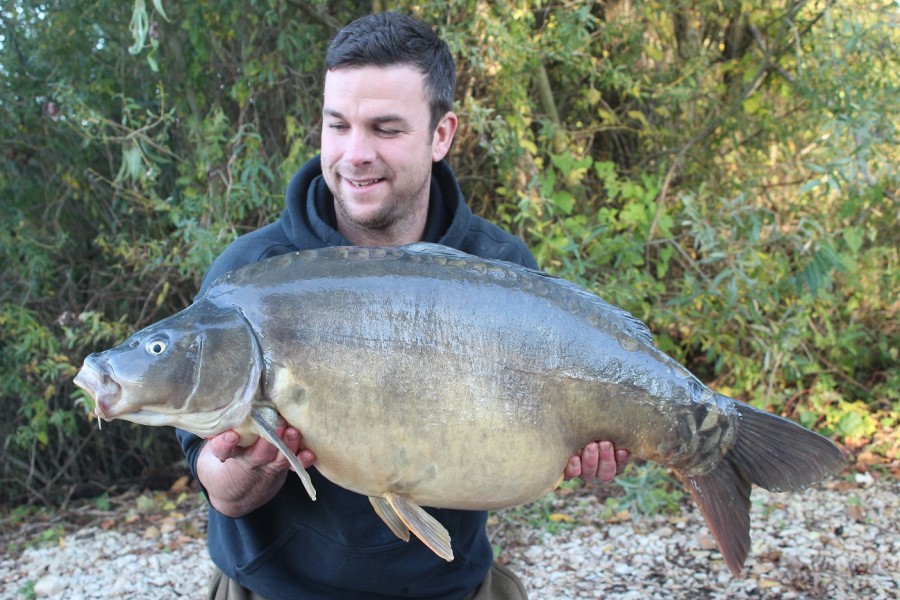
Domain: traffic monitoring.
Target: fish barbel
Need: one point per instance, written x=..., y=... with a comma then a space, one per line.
x=423, y=376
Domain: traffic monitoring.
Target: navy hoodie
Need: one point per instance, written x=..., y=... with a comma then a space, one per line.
x=337, y=547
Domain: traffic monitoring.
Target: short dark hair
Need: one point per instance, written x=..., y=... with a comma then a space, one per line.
x=389, y=39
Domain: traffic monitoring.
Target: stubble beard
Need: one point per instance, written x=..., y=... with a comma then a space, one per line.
x=395, y=214
x=381, y=220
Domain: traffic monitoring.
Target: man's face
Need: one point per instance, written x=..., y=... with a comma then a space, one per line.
x=377, y=152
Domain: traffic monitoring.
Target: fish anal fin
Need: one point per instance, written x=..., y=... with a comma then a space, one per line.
x=723, y=497
x=390, y=517
x=264, y=417
x=422, y=524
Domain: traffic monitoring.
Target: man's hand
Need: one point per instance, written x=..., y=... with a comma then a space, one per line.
x=239, y=479
x=261, y=455
x=598, y=460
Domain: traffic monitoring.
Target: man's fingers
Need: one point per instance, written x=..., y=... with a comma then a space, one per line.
x=573, y=467
x=307, y=458
x=597, y=460
x=622, y=458
x=606, y=467
x=261, y=453
x=291, y=439
x=224, y=445
x=590, y=461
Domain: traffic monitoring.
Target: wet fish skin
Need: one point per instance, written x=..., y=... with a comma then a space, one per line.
x=405, y=368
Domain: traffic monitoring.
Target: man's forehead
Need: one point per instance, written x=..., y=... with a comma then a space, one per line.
x=381, y=93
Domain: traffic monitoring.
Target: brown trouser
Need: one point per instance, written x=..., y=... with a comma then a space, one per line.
x=500, y=584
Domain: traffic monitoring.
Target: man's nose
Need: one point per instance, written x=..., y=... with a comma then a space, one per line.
x=360, y=148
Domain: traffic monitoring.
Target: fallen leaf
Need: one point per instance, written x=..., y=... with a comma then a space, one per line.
x=145, y=504
x=167, y=525
x=840, y=485
x=870, y=458
x=619, y=517
x=561, y=518
x=763, y=567
x=706, y=542
x=181, y=485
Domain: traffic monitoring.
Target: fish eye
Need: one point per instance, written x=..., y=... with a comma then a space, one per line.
x=156, y=347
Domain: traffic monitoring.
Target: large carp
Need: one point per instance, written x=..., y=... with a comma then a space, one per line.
x=423, y=376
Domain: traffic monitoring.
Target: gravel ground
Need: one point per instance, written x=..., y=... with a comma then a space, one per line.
x=838, y=540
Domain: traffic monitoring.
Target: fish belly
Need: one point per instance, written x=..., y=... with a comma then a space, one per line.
x=445, y=441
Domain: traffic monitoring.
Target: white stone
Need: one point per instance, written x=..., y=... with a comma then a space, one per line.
x=49, y=586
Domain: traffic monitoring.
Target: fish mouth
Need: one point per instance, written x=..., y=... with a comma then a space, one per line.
x=105, y=391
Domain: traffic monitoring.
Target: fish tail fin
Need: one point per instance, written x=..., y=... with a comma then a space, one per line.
x=769, y=451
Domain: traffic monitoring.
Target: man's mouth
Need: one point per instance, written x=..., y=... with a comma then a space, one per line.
x=361, y=183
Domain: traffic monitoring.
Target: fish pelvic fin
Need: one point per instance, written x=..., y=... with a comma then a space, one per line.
x=265, y=417
x=390, y=517
x=427, y=528
x=769, y=451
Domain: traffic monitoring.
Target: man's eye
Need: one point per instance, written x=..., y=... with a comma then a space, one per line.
x=337, y=126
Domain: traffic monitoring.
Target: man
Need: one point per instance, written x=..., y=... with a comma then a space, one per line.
x=380, y=180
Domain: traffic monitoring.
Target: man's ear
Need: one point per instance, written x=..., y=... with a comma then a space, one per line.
x=443, y=136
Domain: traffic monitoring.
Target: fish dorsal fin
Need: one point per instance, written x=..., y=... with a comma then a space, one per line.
x=265, y=417
x=390, y=517
x=426, y=527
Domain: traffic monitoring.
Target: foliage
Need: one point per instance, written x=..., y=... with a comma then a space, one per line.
x=26, y=590
x=648, y=490
x=724, y=170
x=544, y=513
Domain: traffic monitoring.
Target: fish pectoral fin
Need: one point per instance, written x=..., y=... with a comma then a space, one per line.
x=263, y=417
x=390, y=517
x=427, y=528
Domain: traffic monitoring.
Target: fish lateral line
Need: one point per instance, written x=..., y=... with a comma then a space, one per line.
x=262, y=417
